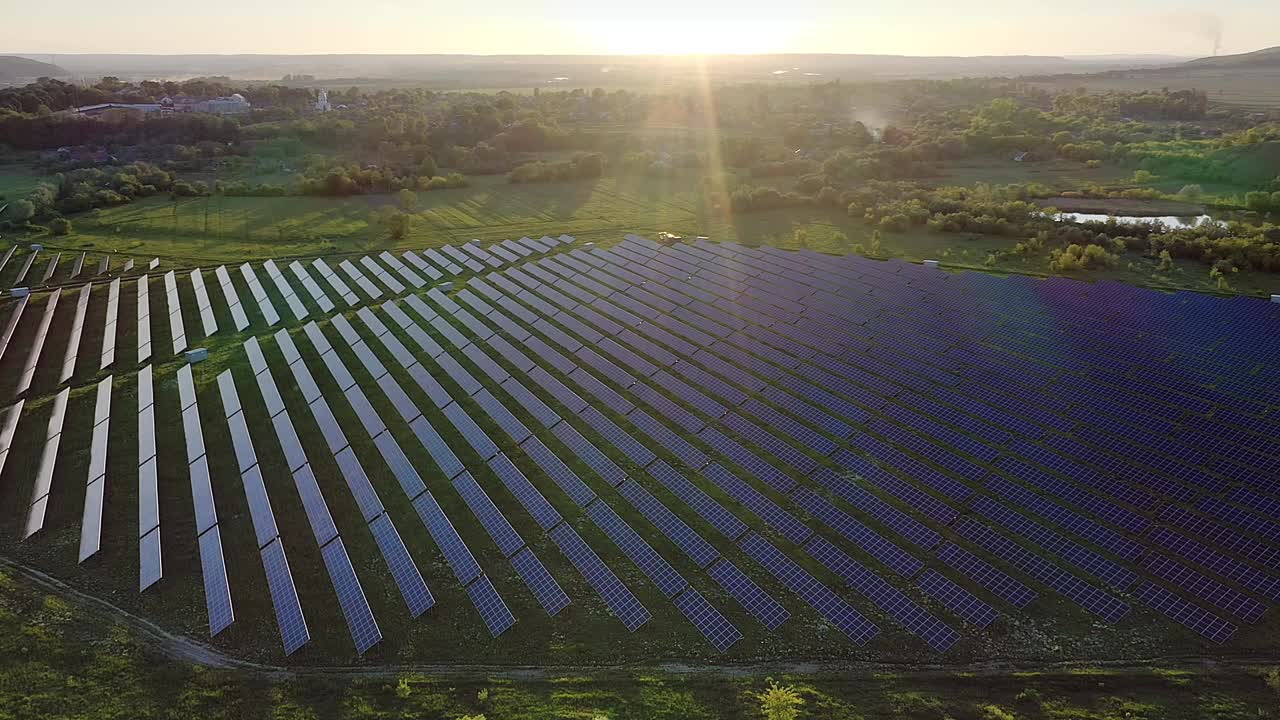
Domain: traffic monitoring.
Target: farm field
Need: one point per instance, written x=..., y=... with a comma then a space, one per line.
x=719, y=410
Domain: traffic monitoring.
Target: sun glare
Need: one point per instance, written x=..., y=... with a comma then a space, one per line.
x=692, y=36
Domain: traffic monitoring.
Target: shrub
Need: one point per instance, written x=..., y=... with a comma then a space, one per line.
x=780, y=703
x=60, y=226
x=1191, y=192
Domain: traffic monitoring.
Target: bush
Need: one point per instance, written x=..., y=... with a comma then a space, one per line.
x=1191, y=192
x=780, y=703
x=60, y=226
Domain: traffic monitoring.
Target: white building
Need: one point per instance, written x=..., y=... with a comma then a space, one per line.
x=322, y=101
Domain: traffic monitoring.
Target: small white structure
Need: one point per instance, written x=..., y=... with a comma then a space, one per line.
x=322, y=101
x=1275, y=298
x=931, y=263
x=197, y=355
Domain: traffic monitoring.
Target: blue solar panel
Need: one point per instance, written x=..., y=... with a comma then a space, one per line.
x=1196, y=618
x=361, y=489
x=495, y=613
x=544, y=587
x=1194, y=583
x=549, y=356
x=747, y=460
x=818, y=596
x=412, y=587
x=533, y=501
x=605, y=367
x=805, y=411
x=688, y=394
x=956, y=599
x=1081, y=526
x=589, y=454
x=774, y=516
x=900, y=522
x=355, y=608
x=499, y=413
x=629, y=358
x=855, y=532
x=718, y=630
x=748, y=594
x=926, y=504
x=684, y=537
x=451, y=545
x=217, y=594
x=1073, y=588
x=982, y=573
x=1222, y=536
x=914, y=618
x=619, y=438
x=566, y=479
x=470, y=431
x=531, y=403
x=494, y=522
x=701, y=503
x=1240, y=518
x=284, y=598
x=667, y=408
x=557, y=390
x=615, y=594
x=637, y=549
x=1247, y=576
x=601, y=392
x=668, y=439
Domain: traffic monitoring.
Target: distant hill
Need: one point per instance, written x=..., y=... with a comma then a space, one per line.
x=1270, y=57
x=16, y=68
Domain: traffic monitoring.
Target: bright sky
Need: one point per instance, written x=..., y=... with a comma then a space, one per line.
x=916, y=27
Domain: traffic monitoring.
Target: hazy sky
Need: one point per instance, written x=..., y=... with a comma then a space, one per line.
x=913, y=27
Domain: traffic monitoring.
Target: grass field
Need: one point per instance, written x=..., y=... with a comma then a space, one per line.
x=59, y=660
x=1246, y=87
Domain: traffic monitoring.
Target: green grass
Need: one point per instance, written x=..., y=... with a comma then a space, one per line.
x=62, y=660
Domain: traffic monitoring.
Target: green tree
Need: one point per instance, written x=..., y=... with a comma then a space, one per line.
x=60, y=226
x=407, y=200
x=21, y=211
x=1257, y=200
x=779, y=702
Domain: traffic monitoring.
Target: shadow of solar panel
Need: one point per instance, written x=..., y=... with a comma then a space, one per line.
x=355, y=608
x=284, y=598
x=863, y=537
x=1074, y=553
x=956, y=599
x=1073, y=588
x=653, y=565
x=616, y=436
x=766, y=509
x=451, y=545
x=490, y=517
x=914, y=618
x=611, y=590
x=412, y=587
x=589, y=454
x=443, y=457
x=683, y=536
x=814, y=593
x=217, y=593
x=1191, y=616
x=747, y=460
x=314, y=505
x=719, y=631
x=693, y=496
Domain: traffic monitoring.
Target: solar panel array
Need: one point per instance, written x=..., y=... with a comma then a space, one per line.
x=44, y=470
x=37, y=344
x=96, y=482
x=72, y=352
x=275, y=565
x=259, y=294
x=217, y=591
x=149, y=558
x=177, y=329
x=232, y=298
x=144, y=320
x=204, y=305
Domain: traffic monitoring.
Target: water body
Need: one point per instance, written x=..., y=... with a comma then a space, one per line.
x=1170, y=221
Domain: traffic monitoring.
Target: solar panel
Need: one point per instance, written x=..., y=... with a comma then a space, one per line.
x=313, y=504
x=860, y=535
x=355, y=608
x=91, y=519
x=451, y=545
x=683, y=536
x=619, y=438
x=984, y=574
x=566, y=479
x=611, y=590
x=914, y=618
x=589, y=454
x=693, y=496
x=497, y=617
x=494, y=522
x=361, y=489
x=412, y=587
x=637, y=549
x=264, y=521
x=217, y=593
x=748, y=594
x=1191, y=616
x=1247, y=576
x=718, y=630
x=814, y=593
x=151, y=567
x=544, y=587
x=284, y=598
x=518, y=485
x=747, y=460
x=774, y=516
x=1207, y=589
x=956, y=599
x=471, y=432
x=1073, y=588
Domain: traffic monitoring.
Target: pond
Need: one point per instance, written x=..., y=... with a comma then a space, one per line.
x=1169, y=221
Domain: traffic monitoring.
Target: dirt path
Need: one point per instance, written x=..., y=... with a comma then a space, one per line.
x=186, y=649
